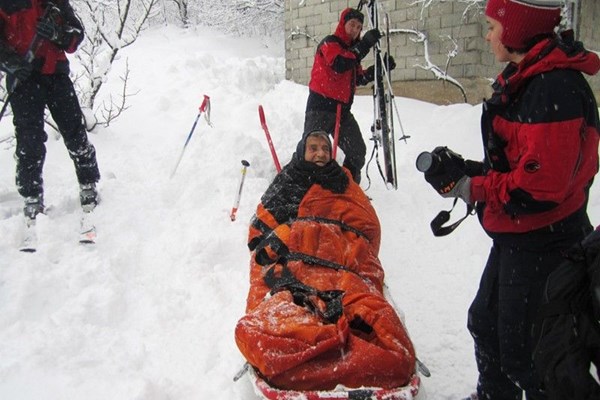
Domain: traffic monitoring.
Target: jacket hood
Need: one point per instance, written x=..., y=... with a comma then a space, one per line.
x=340, y=30
x=549, y=54
x=571, y=54
x=301, y=146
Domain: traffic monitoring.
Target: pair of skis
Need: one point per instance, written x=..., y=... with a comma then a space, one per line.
x=87, y=232
x=383, y=134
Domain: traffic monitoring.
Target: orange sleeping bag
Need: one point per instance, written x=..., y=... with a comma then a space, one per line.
x=316, y=316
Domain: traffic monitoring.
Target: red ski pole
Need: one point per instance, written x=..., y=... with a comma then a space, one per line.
x=236, y=204
x=263, y=123
x=204, y=108
x=336, y=135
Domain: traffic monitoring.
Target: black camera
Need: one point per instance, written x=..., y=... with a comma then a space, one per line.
x=438, y=161
x=442, y=168
x=428, y=163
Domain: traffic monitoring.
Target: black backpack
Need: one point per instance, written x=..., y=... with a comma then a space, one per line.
x=567, y=332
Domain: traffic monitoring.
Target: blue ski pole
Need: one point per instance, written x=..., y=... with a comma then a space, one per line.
x=204, y=108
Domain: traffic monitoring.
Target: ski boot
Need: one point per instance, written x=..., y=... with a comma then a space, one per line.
x=88, y=196
x=33, y=206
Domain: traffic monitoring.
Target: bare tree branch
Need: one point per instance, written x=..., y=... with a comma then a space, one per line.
x=103, y=42
x=298, y=32
x=421, y=37
x=471, y=5
x=112, y=109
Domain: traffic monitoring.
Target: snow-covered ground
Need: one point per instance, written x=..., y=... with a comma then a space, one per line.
x=148, y=313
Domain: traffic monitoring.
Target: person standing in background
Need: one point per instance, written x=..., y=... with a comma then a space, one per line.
x=34, y=37
x=335, y=74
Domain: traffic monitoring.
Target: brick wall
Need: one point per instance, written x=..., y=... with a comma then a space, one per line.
x=307, y=22
x=588, y=32
x=446, y=23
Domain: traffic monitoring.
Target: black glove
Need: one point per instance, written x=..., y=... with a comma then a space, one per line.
x=49, y=29
x=17, y=67
x=371, y=37
x=361, y=49
x=46, y=3
x=369, y=74
x=388, y=62
x=474, y=168
x=446, y=174
x=59, y=34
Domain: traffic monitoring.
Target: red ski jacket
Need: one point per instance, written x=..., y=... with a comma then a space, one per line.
x=336, y=72
x=18, y=22
x=540, y=132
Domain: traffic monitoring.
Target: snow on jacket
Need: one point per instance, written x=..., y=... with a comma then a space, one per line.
x=18, y=22
x=335, y=73
x=316, y=314
x=540, y=134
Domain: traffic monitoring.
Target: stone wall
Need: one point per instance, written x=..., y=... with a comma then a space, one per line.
x=449, y=25
x=588, y=31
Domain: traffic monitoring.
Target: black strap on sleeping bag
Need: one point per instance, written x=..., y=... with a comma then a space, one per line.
x=304, y=295
x=343, y=226
x=312, y=260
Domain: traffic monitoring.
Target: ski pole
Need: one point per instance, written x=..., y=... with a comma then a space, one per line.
x=236, y=204
x=204, y=108
x=242, y=371
x=263, y=123
x=336, y=135
x=6, y=101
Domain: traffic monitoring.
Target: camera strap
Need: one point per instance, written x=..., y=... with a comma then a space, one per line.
x=444, y=216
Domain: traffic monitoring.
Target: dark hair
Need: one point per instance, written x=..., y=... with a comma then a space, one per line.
x=354, y=14
x=530, y=43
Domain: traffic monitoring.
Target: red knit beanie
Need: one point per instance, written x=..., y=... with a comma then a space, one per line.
x=524, y=19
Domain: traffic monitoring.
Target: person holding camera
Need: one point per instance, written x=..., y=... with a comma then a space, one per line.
x=335, y=74
x=34, y=37
x=540, y=134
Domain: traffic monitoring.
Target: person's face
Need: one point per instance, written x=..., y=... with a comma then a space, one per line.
x=493, y=35
x=317, y=150
x=353, y=28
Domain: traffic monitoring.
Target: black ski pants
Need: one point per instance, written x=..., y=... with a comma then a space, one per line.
x=350, y=140
x=506, y=304
x=28, y=103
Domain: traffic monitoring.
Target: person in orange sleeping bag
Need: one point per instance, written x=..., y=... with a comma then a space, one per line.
x=316, y=316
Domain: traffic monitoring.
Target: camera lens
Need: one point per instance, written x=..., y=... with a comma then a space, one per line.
x=425, y=161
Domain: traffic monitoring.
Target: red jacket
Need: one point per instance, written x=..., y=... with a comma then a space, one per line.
x=17, y=29
x=336, y=71
x=541, y=131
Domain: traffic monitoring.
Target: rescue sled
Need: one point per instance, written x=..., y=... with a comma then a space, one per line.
x=267, y=392
x=317, y=323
